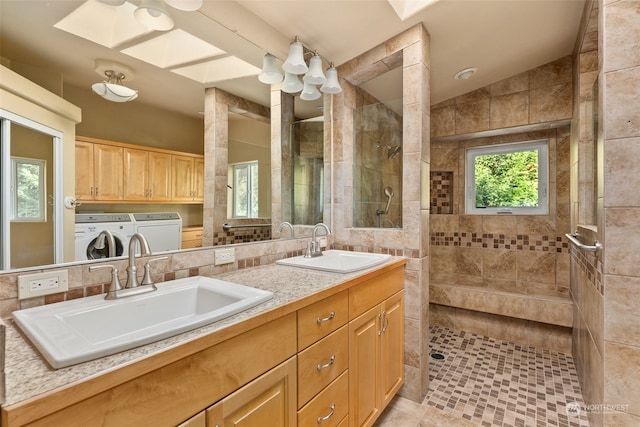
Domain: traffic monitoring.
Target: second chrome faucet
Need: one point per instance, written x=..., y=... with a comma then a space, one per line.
x=314, y=248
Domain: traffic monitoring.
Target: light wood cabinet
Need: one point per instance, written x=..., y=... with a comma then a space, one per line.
x=268, y=400
x=187, y=181
x=115, y=171
x=98, y=172
x=147, y=175
x=376, y=347
x=191, y=237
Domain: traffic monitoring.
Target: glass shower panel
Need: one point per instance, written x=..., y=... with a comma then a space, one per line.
x=377, y=171
x=308, y=171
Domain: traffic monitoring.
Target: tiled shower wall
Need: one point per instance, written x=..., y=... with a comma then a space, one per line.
x=522, y=256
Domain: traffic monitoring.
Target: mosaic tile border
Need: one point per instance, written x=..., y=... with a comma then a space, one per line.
x=585, y=262
x=441, y=192
x=520, y=242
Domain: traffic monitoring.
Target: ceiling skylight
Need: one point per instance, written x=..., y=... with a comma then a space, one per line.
x=103, y=24
x=173, y=48
x=217, y=70
x=407, y=8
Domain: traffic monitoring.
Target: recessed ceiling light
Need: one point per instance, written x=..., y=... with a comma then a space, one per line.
x=465, y=74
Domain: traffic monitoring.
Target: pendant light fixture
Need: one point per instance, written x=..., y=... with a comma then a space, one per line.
x=153, y=14
x=295, y=61
x=291, y=83
x=270, y=73
x=113, y=89
x=295, y=65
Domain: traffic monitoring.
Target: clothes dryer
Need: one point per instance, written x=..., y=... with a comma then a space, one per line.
x=89, y=226
x=163, y=230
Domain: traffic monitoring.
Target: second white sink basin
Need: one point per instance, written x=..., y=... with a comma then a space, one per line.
x=337, y=261
x=79, y=330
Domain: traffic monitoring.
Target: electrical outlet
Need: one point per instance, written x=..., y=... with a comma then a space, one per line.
x=38, y=284
x=224, y=256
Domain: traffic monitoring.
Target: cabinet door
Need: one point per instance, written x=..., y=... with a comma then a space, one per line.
x=136, y=181
x=84, y=171
x=181, y=178
x=108, y=176
x=270, y=400
x=364, y=354
x=392, y=348
x=198, y=179
x=159, y=177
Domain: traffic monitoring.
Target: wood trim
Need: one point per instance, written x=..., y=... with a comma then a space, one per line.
x=136, y=146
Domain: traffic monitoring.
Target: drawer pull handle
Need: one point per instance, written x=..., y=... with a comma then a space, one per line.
x=325, y=418
x=326, y=319
x=326, y=365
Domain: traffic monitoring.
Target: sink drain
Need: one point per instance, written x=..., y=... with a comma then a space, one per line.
x=437, y=356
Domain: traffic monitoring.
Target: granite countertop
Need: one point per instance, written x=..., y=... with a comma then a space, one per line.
x=28, y=375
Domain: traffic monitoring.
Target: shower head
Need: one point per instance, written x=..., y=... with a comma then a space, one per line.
x=393, y=152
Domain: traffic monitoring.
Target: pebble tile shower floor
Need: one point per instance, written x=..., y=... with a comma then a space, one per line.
x=483, y=381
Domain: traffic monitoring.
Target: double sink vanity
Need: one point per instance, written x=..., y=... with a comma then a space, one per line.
x=302, y=342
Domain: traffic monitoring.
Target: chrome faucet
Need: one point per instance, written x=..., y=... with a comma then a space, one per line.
x=132, y=280
x=286, y=224
x=313, y=247
x=106, y=235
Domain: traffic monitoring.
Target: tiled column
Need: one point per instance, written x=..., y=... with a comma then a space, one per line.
x=620, y=207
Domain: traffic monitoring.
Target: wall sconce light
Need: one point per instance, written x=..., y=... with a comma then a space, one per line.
x=295, y=65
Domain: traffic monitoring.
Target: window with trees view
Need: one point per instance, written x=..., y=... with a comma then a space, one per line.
x=28, y=189
x=245, y=190
x=507, y=179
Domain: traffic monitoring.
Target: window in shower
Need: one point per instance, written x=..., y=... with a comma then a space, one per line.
x=508, y=179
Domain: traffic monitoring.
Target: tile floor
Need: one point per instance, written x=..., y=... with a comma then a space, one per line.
x=483, y=381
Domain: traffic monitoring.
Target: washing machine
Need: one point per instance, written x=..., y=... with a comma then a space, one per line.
x=89, y=226
x=163, y=230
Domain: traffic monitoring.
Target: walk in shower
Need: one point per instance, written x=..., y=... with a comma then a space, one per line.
x=377, y=174
x=307, y=160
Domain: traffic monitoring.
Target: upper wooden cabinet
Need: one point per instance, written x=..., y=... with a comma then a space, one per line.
x=187, y=178
x=98, y=172
x=114, y=171
x=147, y=175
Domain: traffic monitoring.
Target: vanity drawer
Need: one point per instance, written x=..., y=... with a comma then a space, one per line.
x=192, y=233
x=322, y=318
x=321, y=363
x=331, y=406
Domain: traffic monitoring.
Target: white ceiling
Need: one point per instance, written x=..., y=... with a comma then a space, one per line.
x=501, y=38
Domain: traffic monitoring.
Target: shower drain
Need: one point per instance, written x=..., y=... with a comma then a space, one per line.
x=437, y=356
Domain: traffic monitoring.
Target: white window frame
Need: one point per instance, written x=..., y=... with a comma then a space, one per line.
x=542, y=146
x=42, y=189
x=250, y=179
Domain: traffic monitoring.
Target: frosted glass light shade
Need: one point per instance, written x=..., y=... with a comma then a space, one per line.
x=309, y=92
x=332, y=85
x=152, y=14
x=270, y=73
x=295, y=61
x=291, y=84
x=114, y=92
x=187, y=5
x=315, y=75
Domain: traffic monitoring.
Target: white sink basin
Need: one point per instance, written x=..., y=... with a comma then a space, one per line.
x=337, y=261
x=79, y=330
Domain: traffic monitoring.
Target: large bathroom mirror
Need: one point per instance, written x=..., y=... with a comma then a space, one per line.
x=377, y=169
x=30, y=183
